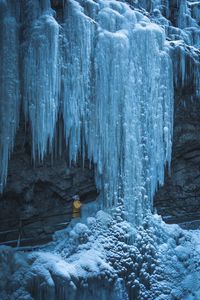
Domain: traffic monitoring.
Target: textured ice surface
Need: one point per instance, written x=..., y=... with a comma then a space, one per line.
x=40, y=92
x=106, y=71
x=9, y=87
x=110, y=107
x=107, y=258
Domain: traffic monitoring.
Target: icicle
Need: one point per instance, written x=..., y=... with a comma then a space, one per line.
x=76, y=72
x=41, y=82
x=182, y=62
x=149, y=116
x=197, y=79
x=195, y=10
x=123, y=102
x=9, y=86
x=113, y=87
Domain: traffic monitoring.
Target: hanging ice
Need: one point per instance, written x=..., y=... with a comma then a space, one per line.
x=77, y=51
x=128, y=121
x=109, y=76
x=9, y=86
x=40, y=79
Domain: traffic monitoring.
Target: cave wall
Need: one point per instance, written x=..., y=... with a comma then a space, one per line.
x=37, y=199
x=179, y=199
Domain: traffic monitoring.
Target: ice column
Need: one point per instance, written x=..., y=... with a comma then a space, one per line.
x=77, y=48
x=148, y=115
x=120, y=98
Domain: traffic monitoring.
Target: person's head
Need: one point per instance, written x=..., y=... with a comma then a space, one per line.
x=76, y=197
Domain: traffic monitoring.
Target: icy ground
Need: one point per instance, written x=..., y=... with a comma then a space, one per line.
x=104, y=257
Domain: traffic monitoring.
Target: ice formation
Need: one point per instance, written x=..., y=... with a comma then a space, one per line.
x=106, y=71
x=107, y=258
x=9, y=86
x=40, y=81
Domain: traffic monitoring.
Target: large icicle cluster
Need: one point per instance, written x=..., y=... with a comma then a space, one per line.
x=107, y=73
x=9, y=86
x=180, y=19
x=40, y=93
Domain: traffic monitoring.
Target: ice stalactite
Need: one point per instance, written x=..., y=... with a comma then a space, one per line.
x=9, y=86
x=77, y=47
x=41, y=81
x=148, y=115
x=127, y=124
x=180, y=19
x=106, y=71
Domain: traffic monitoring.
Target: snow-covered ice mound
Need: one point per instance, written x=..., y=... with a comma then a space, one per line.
x=106, y=258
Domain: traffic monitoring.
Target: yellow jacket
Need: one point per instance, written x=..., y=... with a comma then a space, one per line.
x=76, y=209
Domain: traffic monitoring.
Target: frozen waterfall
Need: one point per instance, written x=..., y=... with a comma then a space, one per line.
x=106, y=71
x=40, y=93
x=9, y=86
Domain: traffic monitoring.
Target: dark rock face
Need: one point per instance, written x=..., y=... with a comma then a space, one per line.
x=38, y=199
x=179, y=199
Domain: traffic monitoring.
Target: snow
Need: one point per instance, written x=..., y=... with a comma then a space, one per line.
x=108, y=258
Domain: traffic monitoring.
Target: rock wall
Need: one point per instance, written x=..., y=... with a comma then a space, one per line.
x=37, y=200
x=179, y=199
